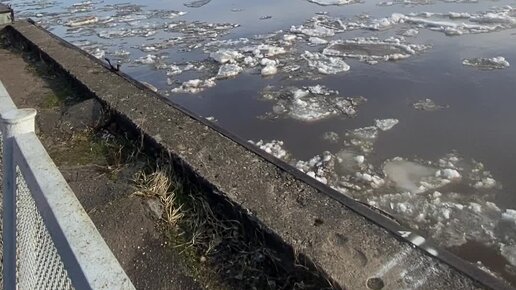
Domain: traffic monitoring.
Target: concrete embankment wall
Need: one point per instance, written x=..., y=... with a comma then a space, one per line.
x=354, y=245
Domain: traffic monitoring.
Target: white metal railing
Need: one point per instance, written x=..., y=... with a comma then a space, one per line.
x=49, y=242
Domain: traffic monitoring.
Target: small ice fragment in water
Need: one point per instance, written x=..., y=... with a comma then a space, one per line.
x=194, y=86
x=225, y=55
x=386, y=124
x=269, y=69
x=410, y=32
x=151, y=87
x=498, y=62
x=359, y=159
x=148, y=59
x=325, y=64
x=450, y=174
x=228, y=70
x=289, y=37
x=427, y=105
x=331, y=136
x=317, y=40
x=332, y=2
x=407, y=175
x=509, y=252
x=197, y=3
x=82, y=21
x=275, y=148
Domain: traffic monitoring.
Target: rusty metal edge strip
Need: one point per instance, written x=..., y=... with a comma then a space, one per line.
x=368, y=212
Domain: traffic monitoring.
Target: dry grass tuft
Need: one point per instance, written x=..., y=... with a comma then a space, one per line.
x=237, y=255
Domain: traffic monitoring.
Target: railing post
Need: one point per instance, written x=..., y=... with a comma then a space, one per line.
x=12, y=123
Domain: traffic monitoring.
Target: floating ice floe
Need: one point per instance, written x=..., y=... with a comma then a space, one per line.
x=228, y=70
x=362, y=138
x=148, y=59
x=316, y=30
x=498, y=62
x=373, y=49
x=317, y=167
x=410, y=32
x=275, y=148
x=333, y=2
x=427, y=105
x=194, y=86
x=454, y=23
x=82, y=21
x=331, y=136
x=225, y=55
x=386, y=124
x=197, y=3
x=317, y=40
x=325, y=64
x=311, y=103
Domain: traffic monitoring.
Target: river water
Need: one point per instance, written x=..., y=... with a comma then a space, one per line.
x=406, y=105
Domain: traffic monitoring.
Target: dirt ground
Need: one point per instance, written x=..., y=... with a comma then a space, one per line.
x=64, y=123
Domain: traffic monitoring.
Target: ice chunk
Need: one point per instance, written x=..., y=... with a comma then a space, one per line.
x=269, y=69
x=197, y=3
x=228, y=70
x=148, y=59
x=509, y=252
x=498, y=62
x=407, y=175
x=386, y=124
x=225, y=55
x=82, y=21
x=275, y=148
x=331, y=136
x=427, y=105
x=450, y=174
x=410, y=32
x=317, y=40
x=194, y=86
x=373, y=49
x=333, y=2
x=316, y=31
x=325, y=64
x=311, y=103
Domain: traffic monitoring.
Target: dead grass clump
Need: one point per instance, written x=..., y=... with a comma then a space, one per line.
x=237, y=254
x=159, y=185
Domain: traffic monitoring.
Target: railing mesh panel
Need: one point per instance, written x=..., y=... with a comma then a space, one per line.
x=39, y=266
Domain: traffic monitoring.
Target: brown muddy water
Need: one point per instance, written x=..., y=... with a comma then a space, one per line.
x=406, y=105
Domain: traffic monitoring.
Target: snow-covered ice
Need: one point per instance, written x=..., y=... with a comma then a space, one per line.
x=386, y=124
x=275, y=148
x=324, y=64
x=372, y=48
x=194, y=86
x=497, y=62
x=333, y=2
x=311, y=103
x=228, y=70
x=427, y=105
